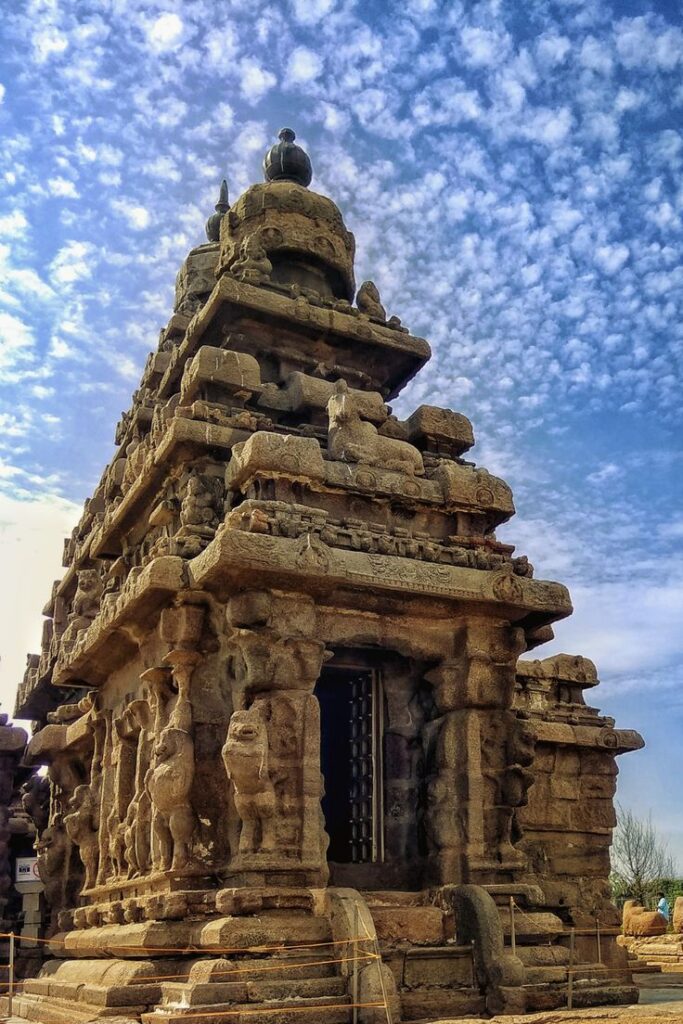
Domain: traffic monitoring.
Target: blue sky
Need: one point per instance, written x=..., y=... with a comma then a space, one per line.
x=512, y=173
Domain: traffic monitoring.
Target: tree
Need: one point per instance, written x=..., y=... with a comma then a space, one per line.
x=640, y=858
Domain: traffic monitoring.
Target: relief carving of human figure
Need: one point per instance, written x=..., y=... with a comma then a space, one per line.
x=169, y=782
x=245, y=756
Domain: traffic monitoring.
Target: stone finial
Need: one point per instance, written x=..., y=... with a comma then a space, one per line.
x=213, y=224
x=285, y=161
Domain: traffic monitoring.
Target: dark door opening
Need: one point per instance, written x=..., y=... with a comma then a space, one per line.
x=351, y=763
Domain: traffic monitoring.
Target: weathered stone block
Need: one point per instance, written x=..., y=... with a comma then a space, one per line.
x=442, y=425
x=235, y=373
x=274, y=454
x=409, y=924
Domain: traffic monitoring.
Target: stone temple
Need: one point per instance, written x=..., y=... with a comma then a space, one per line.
x=295, y=769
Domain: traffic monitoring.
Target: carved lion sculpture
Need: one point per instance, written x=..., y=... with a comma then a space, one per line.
x=35, y=800
x=87, y=599
x=352, y=439
x=53, y=849
x=86, y=604
x=369, y=302
x=81, y=824
x=245, y=756
x=169, y=783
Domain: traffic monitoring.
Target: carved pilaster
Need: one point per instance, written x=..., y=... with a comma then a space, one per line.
x=272, y=750
x=480, y=752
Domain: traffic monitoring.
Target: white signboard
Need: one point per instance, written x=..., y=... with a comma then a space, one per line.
x=27, y=869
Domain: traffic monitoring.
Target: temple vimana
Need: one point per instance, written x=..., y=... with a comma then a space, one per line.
x=286, y=763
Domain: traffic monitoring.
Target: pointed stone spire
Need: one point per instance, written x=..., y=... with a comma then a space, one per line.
x=213, y=224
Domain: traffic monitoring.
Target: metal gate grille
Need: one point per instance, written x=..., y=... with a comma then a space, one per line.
x=365, y=753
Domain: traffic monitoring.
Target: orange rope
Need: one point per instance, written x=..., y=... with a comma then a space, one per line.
x=191, y=949
x=144, y=979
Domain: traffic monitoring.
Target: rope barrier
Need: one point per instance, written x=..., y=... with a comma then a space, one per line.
x=191, y=949
x=184, y=977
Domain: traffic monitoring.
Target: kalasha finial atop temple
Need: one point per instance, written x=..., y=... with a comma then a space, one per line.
x=213, y=224
x=285, y=161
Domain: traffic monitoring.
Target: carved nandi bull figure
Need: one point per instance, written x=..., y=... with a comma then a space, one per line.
x=245, y=756
x=352, y=439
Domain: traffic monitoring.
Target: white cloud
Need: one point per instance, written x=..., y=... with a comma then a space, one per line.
x=252, y=138
x=163, y=167
x=2, y=92
x=548, y=126
x=73, y=262
x=62, y=187
x=552, y=48
x=60, y=349
x=255, y=81
x=136, y=216
x=16, y=341
x=640, y=44
x=484, y=47
x=611, y=258
x=310, y=12
x=165, y=32
x=609, y=471
x=304, y=65
x=13, y=225
x=596, y=56
x=47, y=42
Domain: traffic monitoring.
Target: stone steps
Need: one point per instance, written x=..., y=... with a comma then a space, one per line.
x=433, y=976
x=64, y=1011
x=203, y=993
x=430, y=1003
x=321, y=1010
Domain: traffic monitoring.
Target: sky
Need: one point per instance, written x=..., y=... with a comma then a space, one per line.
x=512, y=173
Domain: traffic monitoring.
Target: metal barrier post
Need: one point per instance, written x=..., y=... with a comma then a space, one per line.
x=513, y=936
x=356, y=950
x=597, y=938
x=10, y=994
x=474, y=969
x=570, y=972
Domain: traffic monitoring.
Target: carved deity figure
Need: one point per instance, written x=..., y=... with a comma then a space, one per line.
x=137, y=831
x=245, y=756
x=352, y=439
x=82, y=824
x=168, y=783
x=252, y=265
x=198, y=505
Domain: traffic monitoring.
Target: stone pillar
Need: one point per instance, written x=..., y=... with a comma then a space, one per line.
x=479, y=752
x=272, y=750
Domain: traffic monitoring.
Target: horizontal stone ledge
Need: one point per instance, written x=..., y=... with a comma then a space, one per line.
x=94, y=657
x=616, y=741
x=314, y=566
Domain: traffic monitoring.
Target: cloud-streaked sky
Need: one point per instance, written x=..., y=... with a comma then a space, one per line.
x=512, y=172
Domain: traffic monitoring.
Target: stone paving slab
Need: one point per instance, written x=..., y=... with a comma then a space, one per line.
x=672, y=1012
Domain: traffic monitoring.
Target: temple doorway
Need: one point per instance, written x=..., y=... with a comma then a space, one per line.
x=352, y=763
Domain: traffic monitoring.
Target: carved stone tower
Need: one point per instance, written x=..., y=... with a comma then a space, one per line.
x=279, y=677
